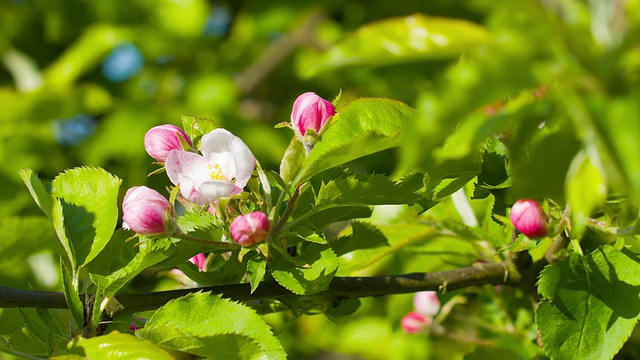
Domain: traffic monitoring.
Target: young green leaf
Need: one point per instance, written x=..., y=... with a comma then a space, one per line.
x=590, y=304
x=109, y=274
x=89, y=208
x=372, y=189
x=363, y=127
x=256, y=269
x=292, y=160
x=116, y=345
x=208, y=326
x=365, y=236
x=305, y=281
x=37, y=190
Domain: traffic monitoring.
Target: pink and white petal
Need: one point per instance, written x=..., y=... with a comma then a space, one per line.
x=244, y=160
x=180, y=162
x=214, y=190
x=225, y=162
x=216, y=141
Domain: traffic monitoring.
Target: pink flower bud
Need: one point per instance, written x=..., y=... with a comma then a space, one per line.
x=159, y=140
x=527, y=216
x=146, y=212
x=250, y=229
x=414, y=322
x=310, y=111
x=200, y=261
x=426, y=303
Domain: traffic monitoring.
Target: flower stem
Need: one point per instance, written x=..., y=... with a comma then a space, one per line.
x=288, y=210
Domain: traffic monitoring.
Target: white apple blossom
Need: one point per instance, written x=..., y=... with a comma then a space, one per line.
x=223, y=169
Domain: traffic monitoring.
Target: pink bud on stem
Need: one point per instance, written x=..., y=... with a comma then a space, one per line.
x=528, y=217
x=250, y=229
x=160, y=140
x=310, y=111
x=147, y=212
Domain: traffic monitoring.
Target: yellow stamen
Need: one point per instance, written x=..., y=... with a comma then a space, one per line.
x=216, y=172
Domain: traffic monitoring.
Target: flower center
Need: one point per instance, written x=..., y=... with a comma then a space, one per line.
x=215, y=172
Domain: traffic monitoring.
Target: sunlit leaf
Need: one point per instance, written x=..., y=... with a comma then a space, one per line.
x=590, y=304
x=89, y=209
x=206, y=325
x=116, y=346
x=363, y=127
x=323, y=264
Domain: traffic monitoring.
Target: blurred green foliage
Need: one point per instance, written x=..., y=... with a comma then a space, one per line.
x=129, y=65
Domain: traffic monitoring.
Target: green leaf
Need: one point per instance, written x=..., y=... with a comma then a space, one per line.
x=364, y=190
x=116, y=254
x=292, y=160
x=89, y=208
x=305, y=281
x=196, y=127
x=37, y=328
x=590, y=304
x=407, y=241
x=585, y=190
x=37, y=190
x=365, y=236
x=494, y=173
x=398, y=40
x=317, y=216
x=363, y=127
x=208, y=326
x=149, y=253
x=116, y=346
x=256, y=269
x=231, y=270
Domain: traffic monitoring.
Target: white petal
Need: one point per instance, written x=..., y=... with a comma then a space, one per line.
x=244, y=160
x=222, y=141
x=183, y=162
x=214, y=190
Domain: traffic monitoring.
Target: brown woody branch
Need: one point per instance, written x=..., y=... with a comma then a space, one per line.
x=503, y=273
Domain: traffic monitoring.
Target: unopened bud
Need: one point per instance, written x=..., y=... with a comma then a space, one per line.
x=528, y=217
x=426, y=303
x=414, y=322
x=310, y=111
x=250, y=229
x=160, y=140
x=146, y=211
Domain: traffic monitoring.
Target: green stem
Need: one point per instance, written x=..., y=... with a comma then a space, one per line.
x=288, y=210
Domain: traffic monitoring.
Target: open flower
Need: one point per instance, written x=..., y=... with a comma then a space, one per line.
x=528, y=217
x=223, y=169
x=160, y=140
x=146, y=211
x=310, y=111
x=250, y=229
